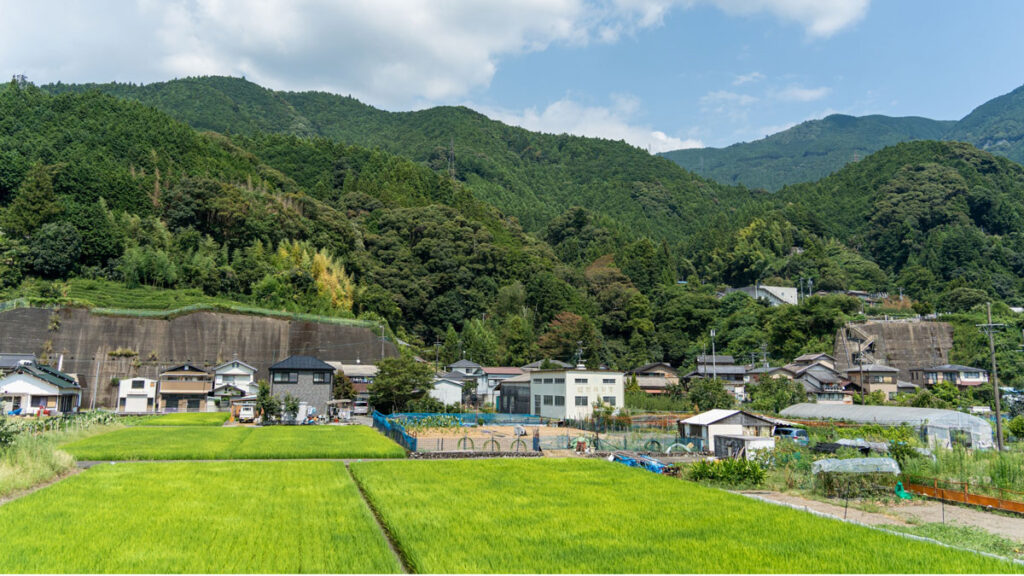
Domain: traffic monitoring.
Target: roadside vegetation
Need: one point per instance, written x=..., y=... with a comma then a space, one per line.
x=188, y=419
x=151, y=518
x=575, y=516
x=208, y=443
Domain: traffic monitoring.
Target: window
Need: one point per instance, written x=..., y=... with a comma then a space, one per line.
x=608, y=381
x=972, y=375
x=536, y=404
x=581, y=380
x=549, y=400
x=319, y=377
x=581, y=400
x=559, y=400
x=609, y=400
x=559, y=380
x=286, y=377
x=548, y=381
x=138, y=384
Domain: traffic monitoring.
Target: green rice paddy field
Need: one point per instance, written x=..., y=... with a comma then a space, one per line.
x=197, y=517
x=235, y=443
x=188, y=419
x=570, y=515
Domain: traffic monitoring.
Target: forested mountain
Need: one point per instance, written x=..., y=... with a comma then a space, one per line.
x=532, y=176
x=812, y=150
x=806, y=152
x=997, y=126
x=935, y=215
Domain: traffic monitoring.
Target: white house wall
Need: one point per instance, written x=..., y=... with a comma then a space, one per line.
x=446, y=393
x=24, y=385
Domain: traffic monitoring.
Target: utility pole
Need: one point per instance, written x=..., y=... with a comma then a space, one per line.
x=437, y=354
x=860, y=368
x=381, y=341
x=714, y=359
x=989, y=329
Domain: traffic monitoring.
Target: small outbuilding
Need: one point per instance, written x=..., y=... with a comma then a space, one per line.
x=741, y=446
x=136, y=395
x=738, y=423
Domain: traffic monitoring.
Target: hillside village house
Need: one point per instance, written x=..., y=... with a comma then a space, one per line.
x=309, y=379
x=654, y=378
x=137, y=395
x=31, y=388
x=184, y=388
x=733, y=376
x=960, y=376
x=237, y=374
x=446, y=391
x=572, y=393
x=360, y=375
x=872, y=377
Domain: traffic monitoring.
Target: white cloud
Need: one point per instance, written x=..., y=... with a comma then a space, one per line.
x=747, y=78
x=801, y=94
x=820, y=18
x=724, y=97
x=568, y=116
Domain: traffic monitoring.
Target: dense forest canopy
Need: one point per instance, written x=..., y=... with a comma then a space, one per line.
x=523, y=246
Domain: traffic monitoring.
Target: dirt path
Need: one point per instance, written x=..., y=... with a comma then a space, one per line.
x=916, y=511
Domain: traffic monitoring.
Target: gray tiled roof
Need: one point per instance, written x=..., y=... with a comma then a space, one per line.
x=302, y=363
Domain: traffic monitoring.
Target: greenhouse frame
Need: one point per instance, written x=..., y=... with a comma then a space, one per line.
x=942, y=428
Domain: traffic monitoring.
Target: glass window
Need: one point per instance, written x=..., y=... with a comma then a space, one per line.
x=608, y=381
x=581, y=400
x=548, y=381
x=559, y=400
x=138, y=384
x=609, y=400
x=559, y=380
x=319, y=377
x=548, y=400
x=581, y=380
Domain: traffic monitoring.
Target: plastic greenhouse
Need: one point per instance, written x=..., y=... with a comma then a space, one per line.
x=939, y=427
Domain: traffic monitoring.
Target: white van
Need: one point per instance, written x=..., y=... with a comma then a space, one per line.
x=246, y=413
x=360, y=407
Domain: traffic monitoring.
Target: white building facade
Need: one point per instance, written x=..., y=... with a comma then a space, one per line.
x=136, y=395
x=238, y=374
x=572, y=393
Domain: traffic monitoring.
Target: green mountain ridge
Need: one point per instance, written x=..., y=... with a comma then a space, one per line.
x=532, y=176
x=814, y=149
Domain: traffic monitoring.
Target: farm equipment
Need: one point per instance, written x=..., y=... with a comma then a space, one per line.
x=640, y=461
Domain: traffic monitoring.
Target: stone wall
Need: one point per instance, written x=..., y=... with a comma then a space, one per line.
x=206, y=339
x=904, y=345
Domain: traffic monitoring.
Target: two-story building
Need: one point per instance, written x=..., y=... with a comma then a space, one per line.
x=237, y=374
x=572, y=393
x=723, y=368
x=958, y=375
x=871, y=377
x=136, y=395
x=309, y=379
x=184, y=388
x=654, y=378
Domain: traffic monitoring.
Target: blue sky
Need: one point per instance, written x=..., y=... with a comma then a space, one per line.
x=661, y=74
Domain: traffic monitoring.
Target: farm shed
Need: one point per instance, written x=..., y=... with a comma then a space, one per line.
x=741, y=446
x=939, y=427
x=707, y=425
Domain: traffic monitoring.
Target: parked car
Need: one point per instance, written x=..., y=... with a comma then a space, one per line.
x=246, y=413
x=360, y=407
x=798, y=435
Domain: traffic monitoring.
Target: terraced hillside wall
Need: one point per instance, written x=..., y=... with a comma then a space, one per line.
x=901, y=344
x=206, y=339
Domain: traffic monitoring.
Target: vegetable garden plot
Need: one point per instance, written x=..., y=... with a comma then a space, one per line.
x=593, y=516
x=196, y=517
x=206, y=443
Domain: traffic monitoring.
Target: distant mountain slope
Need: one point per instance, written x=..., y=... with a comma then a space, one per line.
x=997, y=126
x=806, y=152
x=535, y=177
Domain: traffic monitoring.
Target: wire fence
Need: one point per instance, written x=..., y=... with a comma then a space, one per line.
x=394, y=430
x=974, y=494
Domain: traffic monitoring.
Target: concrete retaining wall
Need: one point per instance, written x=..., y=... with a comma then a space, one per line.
x=203, y=338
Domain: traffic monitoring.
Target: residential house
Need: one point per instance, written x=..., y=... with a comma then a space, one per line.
x=447, y=391
x=539, y=363
x=8, y=362
x=654, y=378
x=137, y=395
x=572, y=393
x=868, y=378
x=360, y=375
x=184, y=388
x=704, y=427
x=821, y=358
x=495, y=375
x=733, y=376
x=822, y=382
x=238, y=374
x=309, y=379
x=31, y=388
x=469, y=372
x=960, y=376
